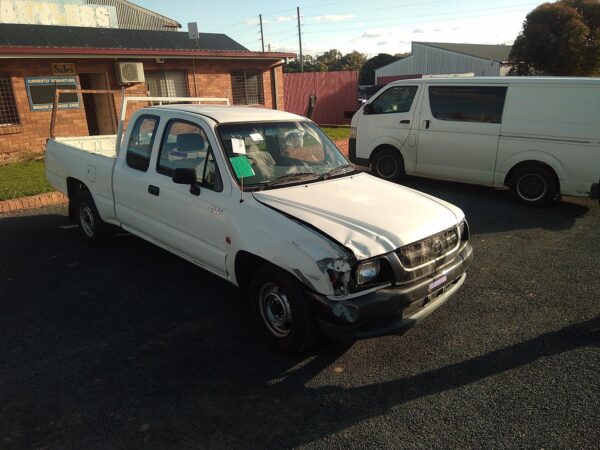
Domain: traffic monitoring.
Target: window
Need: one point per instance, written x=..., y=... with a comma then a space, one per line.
x=8, y=106
x=396, y=99
x=139, y=147
x=41, y=91
x=467, y=104
x=185, y=145
x=247, y=87
x=167, y=84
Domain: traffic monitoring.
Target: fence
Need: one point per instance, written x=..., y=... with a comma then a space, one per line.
x=336, y=95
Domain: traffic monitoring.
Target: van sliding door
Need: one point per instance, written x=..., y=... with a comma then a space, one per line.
x=459, y=131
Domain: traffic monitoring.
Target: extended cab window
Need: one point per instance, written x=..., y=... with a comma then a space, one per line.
x=467, y=103
x=396, y=99
x=185, y=145
x=141, y=139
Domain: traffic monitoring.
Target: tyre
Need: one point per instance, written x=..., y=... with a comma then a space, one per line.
x=534, y=185
x=280, y=310
x=388, y=164
x=93, y=229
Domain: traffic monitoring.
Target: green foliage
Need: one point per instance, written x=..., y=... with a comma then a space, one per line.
x=561, y=38
x=330, y=61
x=367, y=72
x=23, y=179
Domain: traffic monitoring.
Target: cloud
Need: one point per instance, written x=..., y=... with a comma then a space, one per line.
x=370, y=34
x=418, y=30
x=333, y=18
x=382, y=43
x=278, y=19
x=437, y=30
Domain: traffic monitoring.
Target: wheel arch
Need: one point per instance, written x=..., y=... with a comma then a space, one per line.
x=381, y=147
x=74, y=186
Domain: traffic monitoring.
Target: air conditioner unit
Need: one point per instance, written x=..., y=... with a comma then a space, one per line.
x=130, y=72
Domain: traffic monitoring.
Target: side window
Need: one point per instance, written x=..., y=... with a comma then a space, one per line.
x=141, y=139
x=185, y=145
x=396, y=99
x=467, y=104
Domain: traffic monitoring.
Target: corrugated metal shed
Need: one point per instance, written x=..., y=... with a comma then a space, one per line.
x=134, y=17
x=430, y=58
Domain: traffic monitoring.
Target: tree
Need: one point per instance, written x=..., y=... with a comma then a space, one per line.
x=328, y=61
x=561, y=38
x=367, y=72
x=353, y=61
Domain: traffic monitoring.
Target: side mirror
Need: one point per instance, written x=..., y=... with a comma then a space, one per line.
x=367, y=109
x=184, y=175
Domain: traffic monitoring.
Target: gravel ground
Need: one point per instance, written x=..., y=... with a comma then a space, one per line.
x=127, y=346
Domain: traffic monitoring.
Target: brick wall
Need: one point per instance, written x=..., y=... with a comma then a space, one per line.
x=212, y=79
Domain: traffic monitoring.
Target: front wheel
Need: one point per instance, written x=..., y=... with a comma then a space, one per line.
x=534, y=185
x=388, y=164
x=281, y=312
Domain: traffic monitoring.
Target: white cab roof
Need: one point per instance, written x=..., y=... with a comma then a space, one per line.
x=225, y=114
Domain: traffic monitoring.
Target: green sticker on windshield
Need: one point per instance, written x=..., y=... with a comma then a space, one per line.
x=241, y=166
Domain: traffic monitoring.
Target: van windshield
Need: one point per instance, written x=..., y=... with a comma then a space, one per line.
x=268, y=154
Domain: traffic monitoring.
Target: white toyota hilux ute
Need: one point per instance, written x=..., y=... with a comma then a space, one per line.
x=265, y=200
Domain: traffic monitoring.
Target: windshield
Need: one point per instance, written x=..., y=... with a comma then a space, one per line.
x=270, y=153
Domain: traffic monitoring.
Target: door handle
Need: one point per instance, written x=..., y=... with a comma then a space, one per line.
x=426, y=122
x=154, y=190
x=405, y=121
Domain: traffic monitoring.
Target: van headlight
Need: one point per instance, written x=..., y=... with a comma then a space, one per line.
x=352, y=132
x=367, y=271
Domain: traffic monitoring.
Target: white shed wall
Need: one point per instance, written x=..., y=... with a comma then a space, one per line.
x=427, y=60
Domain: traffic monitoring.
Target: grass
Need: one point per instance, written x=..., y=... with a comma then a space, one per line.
x=337, y=132
x=23, y=179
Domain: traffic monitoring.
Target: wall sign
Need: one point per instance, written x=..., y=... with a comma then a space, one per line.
x=75, y=13
x=41, y=91
x=63, y=69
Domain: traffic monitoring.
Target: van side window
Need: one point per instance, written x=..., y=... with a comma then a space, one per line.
x=467, y=104
x=141, y=139
x=396, y=99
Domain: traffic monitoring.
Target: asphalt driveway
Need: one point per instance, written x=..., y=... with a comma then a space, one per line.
x=127, y=346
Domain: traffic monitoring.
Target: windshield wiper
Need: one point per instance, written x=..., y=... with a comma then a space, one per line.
x=287, y=178
x=340, y=170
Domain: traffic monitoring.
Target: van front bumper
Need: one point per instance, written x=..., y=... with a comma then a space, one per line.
x=390, y=310
x=352, y=154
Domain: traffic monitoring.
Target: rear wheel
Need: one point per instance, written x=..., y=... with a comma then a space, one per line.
x=93, y=229
x=280, y=310
x=388, y=164
x=534, y=185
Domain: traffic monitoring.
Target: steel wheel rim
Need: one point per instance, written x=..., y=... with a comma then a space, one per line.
x=387, y=164
x=275, y=310
x=531, y=187
x=86, y=216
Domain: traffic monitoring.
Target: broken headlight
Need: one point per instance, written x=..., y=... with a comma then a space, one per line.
x=367, y=271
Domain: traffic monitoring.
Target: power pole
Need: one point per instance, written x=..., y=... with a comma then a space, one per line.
x=262, y=37
x=300, y=40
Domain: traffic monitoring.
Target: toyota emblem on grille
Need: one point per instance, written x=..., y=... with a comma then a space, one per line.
x=437, y=246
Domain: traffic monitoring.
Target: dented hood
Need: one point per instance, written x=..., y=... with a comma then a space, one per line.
x=363, y=213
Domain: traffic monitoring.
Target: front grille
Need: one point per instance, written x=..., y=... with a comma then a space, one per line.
x=429, y=249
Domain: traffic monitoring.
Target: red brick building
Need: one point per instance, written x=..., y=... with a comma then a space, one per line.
x=37, y=59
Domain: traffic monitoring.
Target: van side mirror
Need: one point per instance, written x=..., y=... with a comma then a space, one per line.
x=184, y=175
x=367, y=109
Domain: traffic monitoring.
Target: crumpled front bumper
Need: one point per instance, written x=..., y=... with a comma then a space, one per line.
x=393, y=309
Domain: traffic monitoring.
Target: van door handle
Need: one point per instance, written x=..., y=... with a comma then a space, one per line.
x=154, y=190
x=426, y=122
x=405, y=121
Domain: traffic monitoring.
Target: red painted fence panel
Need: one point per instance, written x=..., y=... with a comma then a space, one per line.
x=336, y=92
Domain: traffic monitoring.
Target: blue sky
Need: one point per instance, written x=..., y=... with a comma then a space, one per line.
x=385, y=26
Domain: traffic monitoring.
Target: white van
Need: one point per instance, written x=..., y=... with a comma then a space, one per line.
x=540, y=136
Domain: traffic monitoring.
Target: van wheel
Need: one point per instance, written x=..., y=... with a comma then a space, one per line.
x=534, y=185
x=388, y=164
x=280, y=310
x=93, y=229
